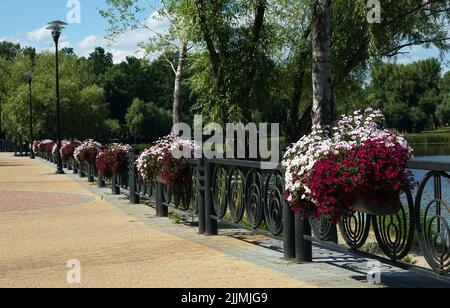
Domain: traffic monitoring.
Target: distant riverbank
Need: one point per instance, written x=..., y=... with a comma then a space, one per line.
x=431, y=143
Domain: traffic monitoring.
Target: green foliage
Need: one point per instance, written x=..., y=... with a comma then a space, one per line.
x=409, y=260
x=372, y=248
x=9, y=50
x=429, y=138
x=100, y=61
x=419, y=119
x=135, y=78
x=113, y=130
x=83, y=107
x=146, y=121
x=262, y=71
x=408, y=94
x=443, y=110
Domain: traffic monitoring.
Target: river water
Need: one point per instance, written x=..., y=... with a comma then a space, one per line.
x=433, y=153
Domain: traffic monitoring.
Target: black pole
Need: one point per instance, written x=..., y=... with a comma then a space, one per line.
x=303, y=247
x=59, y=169
x=161, y=209
x=31, y=123
x=289, y=232
x=90, y=173
x=115, y=189
x=201, y=195
x=1, y=128
x=133, y=180
x=210, y=223
x=100, y=180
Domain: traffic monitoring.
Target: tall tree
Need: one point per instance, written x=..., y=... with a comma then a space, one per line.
x=238, y=64
x=408, y=94
x=9, y=50
x=357, y=44
x=100, y=61
x=322, y=108
x=124, y=16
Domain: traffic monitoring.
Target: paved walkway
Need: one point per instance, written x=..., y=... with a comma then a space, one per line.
x=47, y=220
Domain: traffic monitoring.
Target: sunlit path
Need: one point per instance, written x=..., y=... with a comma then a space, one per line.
x=47, y=220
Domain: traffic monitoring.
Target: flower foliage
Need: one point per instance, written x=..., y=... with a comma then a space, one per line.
x=159, y=161
x=87, y=152
x=326, y=173
x=113, y=160
x=44, y=146
x=68, y=149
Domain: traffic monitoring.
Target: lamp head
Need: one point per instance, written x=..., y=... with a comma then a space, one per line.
x=29, y=76
x=56, y=27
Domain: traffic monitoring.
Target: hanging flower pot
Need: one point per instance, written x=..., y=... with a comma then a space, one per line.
x=87, y=152
x=160, y=179
x=157, y=162
x=377, y=208
x=359, y=166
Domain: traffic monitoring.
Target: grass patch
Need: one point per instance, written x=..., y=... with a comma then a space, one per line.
x=371, y=248
x=175, y=218
x=440, y=136
x=409, y=260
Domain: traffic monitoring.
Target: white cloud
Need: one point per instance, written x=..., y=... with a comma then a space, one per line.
x=125, y=45
x=88, y=42
x=38, y=34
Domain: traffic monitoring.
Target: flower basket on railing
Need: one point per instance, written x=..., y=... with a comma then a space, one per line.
x=158, y=162
x=360, y=167
x=113, y=160
x=87, y=152
x=373, y=207
x=68, y=149
x=160, y=179
x=46, y=146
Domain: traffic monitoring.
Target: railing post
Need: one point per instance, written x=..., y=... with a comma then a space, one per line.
x=303, y=247
x=115, y=189
x=210, y=224
x=132, y=185
x=201, y=195
x=288, y=231
x=90, y=173
x=159, y=198
x=75, y=166
x=20, y=148
x=100, y=180
x=80, y=170
x=161, y=209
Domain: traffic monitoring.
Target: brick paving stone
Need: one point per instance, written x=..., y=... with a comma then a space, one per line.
x=114, y=249
x=123, y=245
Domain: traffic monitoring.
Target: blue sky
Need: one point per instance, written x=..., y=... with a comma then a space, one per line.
x=23, y=21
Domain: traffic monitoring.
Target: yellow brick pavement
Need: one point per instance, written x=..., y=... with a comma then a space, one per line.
x=115, y=250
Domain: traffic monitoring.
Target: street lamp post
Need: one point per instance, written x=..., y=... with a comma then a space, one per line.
x=1, y=128
x=2, y=133
x=29, y=79
x=56, y=27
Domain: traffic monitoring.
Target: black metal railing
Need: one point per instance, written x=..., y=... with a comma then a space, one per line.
x=242, y=194
x=7, y=146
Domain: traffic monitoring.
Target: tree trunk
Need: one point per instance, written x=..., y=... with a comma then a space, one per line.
x=177, y=103
x=322, y=112
x=435, y=121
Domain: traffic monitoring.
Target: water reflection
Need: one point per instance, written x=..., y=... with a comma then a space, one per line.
x=438, y=155
x=431, y=150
